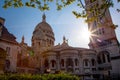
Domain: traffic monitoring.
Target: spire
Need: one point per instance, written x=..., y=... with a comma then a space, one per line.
x=23, y=39
x=64, y=39
x=65, y=42
x=44, y=18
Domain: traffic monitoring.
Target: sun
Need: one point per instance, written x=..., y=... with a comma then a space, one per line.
x=86, y=34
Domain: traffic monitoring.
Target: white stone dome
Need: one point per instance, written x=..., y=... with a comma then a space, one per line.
x=44, y=26
x=43, y=34
x=43, y=29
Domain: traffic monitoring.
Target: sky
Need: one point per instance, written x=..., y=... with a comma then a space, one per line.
x=22, y=22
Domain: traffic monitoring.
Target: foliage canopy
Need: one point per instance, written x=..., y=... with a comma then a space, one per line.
x=43, y=5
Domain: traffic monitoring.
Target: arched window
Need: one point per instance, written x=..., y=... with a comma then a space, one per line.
x=101, y=19
x=99, y=59
x=62, y=62
x=7, y=64
x=93, y=62
x=76, y=62
x=8, y=51
x=53, y=63
x=86, y=62
x=69, y=62
x=103, y=30
x=103, y=57
x=108, y=58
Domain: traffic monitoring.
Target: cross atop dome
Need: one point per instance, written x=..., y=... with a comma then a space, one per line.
x=44, y=18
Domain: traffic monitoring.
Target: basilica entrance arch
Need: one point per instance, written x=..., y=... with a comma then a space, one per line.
x=2, y=60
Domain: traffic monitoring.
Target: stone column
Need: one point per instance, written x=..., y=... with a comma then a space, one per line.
x=80, y=64
x=58, y=63
x=73, y=59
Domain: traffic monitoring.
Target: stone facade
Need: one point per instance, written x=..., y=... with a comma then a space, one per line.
x=61, y=57
x=68, y=59
x=25, y=61
x=8, y=44
x=2, y=60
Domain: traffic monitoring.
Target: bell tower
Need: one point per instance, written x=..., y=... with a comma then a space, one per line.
x=103, y=37
x=100, y=25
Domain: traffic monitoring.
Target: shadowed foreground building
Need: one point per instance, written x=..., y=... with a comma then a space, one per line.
x=101, y=61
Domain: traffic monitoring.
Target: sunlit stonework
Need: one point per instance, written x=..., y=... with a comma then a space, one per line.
x=100, y=61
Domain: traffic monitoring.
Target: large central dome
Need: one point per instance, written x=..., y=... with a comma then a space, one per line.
x=44, y=26
x=43, y=35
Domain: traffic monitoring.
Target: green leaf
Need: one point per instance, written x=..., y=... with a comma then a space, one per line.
x=9, y=3
x=5, y=6
x=33, y=5
x=15, y=5
x=27, y=4
x=31, y=53
x=15, y=0
x=20, y=4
